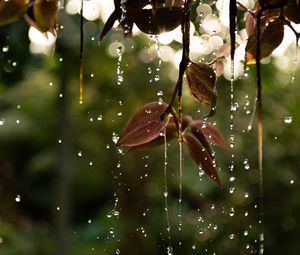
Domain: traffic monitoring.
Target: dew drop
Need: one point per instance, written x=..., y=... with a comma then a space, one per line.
x=2, y=121
x=5, y=48
x=231, y=236
x=288, y=120
x=18, y=198
x=245, y=233
x=292, y=181
x=231, y=212
x=79, y=153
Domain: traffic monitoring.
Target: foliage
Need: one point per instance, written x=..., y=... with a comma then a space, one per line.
x=92, y=193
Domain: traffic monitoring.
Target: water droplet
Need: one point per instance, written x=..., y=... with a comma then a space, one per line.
x=91, y=163
x=231, y=190
x=288, y=120
x=292, y=181
x=79, y=153
x=118, y=251
x=59, y=141
x=231, y=236
x=231, y=212
x=115, y=137
x=18, y=198
x=18, y=121
x=89, y=221
x=5, y=48
x=2, y=121
x=57, y=208
x=232, y=178
x=169, y=250
x=194, y=247
x=99, y=117
x=245, y=233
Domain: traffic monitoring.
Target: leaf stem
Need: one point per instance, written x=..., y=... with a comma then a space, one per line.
x=260, y=127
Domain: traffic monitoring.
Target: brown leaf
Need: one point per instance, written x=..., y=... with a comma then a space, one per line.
x=211, y=133
x=45, y=14
x=144, y=126
x=201, y=82
x=271, y=35
x=12, y=10
x=161, y=20
x=202, y=158
x=292, y=11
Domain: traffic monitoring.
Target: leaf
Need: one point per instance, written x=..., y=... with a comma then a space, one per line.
x=164, y=19
x=250, y=23
x=223, y=51
x=144, y=126
x=292, y=11
x=109, y=23
x=272, y=3
x=271, y=36
x=212, y=134
x=201, y=82
x=202, y=158
x=12, y=10
x=45, y=14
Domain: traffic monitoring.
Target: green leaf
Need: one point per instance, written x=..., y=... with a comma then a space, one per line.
x=201, y=80
x=271, y=36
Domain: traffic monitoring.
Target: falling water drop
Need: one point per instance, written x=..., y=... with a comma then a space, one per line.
x=18, y=198
x=166, y=206
x=119, y=69
x=288, y=120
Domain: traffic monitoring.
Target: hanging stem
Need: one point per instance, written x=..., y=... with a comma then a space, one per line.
x=81, y=56
x=260, y=128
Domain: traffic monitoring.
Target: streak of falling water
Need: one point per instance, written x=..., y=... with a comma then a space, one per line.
x=157, y=76
x=180, y=185
x=119, y=68
x=233, y=108
x=124, y=10
x=295, y=62
x=169, y=248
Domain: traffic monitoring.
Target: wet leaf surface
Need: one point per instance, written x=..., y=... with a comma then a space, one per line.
x=201, y=82
x=211, y=133
x=144, y=126
x=202, y=158
x=271, y=36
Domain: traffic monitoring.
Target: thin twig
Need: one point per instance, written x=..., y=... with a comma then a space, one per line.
x=81, y=56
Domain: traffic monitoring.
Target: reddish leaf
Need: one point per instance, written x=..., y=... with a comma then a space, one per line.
x=250, y=23
x=211, y=133
x=224, y=50
x=201, y=82
x=271, y=35
x=292, y=11
x=144, y=126
x=202, y=157
x=12, y=10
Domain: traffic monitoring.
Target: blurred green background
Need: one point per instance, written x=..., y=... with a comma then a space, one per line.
x=66, y=189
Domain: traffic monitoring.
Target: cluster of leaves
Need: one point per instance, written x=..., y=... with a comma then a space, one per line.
x=272, y=15
x=41, y=14
x=148, y=125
